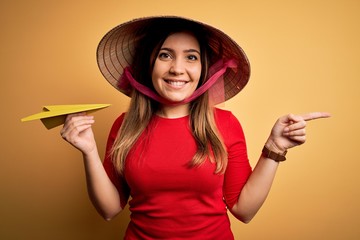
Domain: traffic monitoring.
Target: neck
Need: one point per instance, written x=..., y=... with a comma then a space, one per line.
x=178, y=111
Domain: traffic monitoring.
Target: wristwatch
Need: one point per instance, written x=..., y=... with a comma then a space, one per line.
x=277, y=157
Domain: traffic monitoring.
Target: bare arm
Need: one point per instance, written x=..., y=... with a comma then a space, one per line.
x=288, y=132
x=102, y=192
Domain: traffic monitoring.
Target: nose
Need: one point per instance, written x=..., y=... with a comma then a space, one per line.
x=177, y=67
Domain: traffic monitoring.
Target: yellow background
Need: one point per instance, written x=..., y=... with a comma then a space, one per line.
x=304, y=57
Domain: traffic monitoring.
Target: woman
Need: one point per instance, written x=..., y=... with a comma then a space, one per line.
x=182, y=161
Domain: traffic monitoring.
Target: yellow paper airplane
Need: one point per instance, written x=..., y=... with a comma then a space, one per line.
x=53, y=116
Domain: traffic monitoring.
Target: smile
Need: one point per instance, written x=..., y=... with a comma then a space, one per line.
x=176, y=83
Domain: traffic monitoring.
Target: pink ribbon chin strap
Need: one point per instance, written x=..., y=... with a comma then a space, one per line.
x=218, y=69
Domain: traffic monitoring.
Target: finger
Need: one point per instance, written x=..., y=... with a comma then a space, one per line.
x=315, y=115
x=76, y=123
x=300, y=123
x=298, y=139
x=76, y=116
x=79, y=129
x=292, y=118
x=80, y=122
x=73, y=134
x=77, y=119
x=299, y=132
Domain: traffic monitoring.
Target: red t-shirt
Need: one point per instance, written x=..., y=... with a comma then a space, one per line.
x=169, y=199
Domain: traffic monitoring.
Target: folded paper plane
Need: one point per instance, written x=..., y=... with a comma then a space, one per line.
x=53, y=116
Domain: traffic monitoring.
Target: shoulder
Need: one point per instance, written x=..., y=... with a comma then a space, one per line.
x=228, y=125
x=224, y=116
x=119, y=120
x=221, y=112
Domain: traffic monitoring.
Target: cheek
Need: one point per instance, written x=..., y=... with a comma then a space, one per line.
x=195, y=73
x=156, y=75
x=158, y=69
x=154, y=81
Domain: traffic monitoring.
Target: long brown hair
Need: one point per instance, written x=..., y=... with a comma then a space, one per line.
x=202, y=122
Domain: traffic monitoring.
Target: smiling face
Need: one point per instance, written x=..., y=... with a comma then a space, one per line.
x=177, y=67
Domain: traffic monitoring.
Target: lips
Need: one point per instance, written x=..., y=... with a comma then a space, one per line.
x=176, y=83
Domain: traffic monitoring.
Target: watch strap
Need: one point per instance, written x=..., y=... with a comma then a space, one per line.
x=277, y=157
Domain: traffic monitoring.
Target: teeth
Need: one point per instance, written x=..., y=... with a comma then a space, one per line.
x=176, y=83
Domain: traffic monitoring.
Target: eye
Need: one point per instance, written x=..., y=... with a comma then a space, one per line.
x=164, y=55
x=192, y=57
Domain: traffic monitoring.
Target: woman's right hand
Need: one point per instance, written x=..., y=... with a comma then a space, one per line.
x=102, y=192
x=78, y=132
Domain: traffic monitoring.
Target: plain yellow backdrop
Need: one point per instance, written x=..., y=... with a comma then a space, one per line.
x=304, y=57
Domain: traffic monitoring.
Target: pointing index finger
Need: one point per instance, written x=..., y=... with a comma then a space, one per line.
x=315, y=115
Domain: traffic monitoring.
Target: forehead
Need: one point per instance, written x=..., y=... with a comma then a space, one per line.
x=182, y=39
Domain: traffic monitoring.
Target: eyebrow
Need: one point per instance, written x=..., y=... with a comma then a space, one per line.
x=187, y=50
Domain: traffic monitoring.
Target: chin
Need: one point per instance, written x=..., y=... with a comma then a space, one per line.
x=175, y=99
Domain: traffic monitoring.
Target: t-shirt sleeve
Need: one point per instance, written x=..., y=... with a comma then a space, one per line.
x=238, y=169
x=117, y=179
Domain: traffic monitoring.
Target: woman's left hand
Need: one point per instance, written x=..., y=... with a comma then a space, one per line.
x=289, y=130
